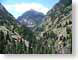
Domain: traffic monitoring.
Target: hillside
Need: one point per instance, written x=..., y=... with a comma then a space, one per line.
x=52, y=35
x=14, y=38
x=56, y=30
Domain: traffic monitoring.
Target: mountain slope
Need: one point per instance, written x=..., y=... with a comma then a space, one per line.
x=52, y=36
x=57, y=28
x=14, y=38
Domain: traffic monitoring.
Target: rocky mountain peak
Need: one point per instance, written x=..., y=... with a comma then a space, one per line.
x=31, y=18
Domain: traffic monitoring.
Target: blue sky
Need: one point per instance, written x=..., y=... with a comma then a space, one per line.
x=18, y=7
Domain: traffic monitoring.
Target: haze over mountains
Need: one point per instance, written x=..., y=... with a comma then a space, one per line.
x=52, y=32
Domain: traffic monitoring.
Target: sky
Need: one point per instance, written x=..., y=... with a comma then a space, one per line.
x=18, y=7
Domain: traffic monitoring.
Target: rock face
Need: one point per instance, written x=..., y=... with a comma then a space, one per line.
x=31, y=18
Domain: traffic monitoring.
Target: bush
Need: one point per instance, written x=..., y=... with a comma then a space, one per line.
x=68, y=30
x=70, y=22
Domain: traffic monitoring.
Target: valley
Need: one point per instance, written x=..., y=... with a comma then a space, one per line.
x=36, y=33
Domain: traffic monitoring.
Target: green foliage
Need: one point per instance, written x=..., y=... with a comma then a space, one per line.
x=68, y=30
x=46, y=44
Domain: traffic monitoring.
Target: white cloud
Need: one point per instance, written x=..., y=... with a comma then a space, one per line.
x=18, y=9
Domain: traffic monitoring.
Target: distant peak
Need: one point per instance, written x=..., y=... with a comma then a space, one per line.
x=32, y=10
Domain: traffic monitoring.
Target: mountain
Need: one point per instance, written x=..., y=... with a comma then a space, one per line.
x=14, y=38
x=31, y=18
x=56, y=29
x=52, y=35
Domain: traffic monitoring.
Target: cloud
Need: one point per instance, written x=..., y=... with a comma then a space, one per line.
x=18, y=9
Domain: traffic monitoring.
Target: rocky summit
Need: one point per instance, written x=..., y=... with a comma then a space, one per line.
x=31, y=18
